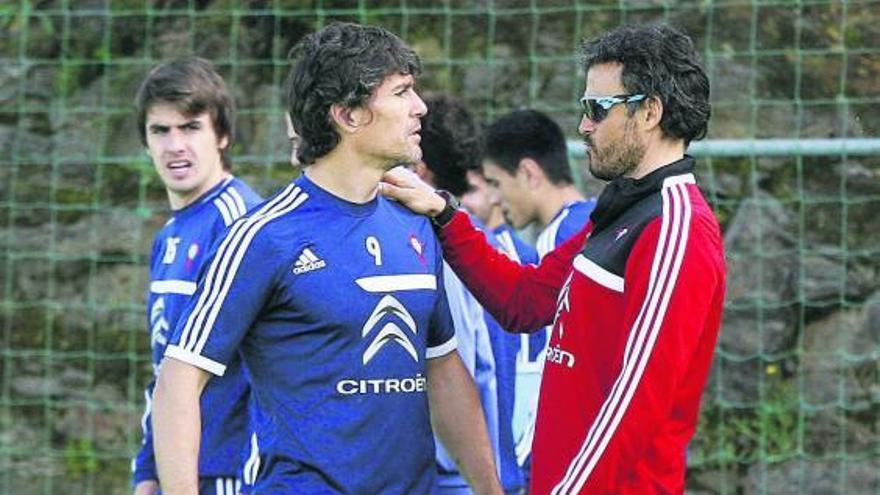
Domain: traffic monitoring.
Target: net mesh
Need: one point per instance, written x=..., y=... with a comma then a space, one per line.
x=792, y=404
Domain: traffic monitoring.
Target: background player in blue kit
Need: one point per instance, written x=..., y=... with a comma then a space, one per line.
x=335, y=298
x=527, y=160
x=185, y=117
x=450, y=144
x=483, y=201
x=453, y=149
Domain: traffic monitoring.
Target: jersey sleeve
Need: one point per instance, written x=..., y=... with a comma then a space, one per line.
x=521, y=298
x=674, y=290
x=231, y=292
x=441, y=334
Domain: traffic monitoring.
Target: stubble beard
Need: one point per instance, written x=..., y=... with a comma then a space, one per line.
x=618, y=159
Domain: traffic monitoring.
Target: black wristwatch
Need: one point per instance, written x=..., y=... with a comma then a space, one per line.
x=445, y=216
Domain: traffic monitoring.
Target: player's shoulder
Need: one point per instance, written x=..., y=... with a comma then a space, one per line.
x=403, y=213
x=240, y=188
x=233, y=200
x=283, y=210
x=584, y=207
x=578, y=213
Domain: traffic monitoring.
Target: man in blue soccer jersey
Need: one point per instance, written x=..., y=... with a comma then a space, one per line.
x=335, y=299
x=483, y=201
x=527, y=160
x=185, y=119
x=451, y=143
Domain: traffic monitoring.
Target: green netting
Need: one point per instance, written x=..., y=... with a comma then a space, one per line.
x=792, y=404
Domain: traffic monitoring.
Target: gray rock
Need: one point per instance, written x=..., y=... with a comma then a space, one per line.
x=814, y=477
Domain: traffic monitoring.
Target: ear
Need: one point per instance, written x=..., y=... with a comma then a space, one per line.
x=651, y=113
x=349, y=120
x=224, y=143
x=534, y=174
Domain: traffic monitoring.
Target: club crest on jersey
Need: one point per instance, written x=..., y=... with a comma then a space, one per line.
x=307, y=262
x=191, y=255
x=418, y=246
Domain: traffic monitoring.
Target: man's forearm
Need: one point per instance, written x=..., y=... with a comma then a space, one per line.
x=177, y=426
x=458, y=421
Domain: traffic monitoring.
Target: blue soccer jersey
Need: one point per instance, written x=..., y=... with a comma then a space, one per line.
x=179, y=251
x=506, y=347
x=335, y=307
x=567, y=222
x=475, y=348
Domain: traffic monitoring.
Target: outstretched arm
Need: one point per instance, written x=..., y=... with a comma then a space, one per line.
x=177, y=426
x=521, y=298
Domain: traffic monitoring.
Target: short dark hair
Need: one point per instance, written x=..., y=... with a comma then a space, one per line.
x=451, y=142
x=659, y=61
x=529, y=134
x=340, y=64
x=193, y=86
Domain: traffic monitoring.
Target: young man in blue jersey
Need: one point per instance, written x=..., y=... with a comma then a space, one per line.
x=452, y=146
x=483, y=201
x=527, y=160
x=450, y=141
x=185, y=117
x=335, y=298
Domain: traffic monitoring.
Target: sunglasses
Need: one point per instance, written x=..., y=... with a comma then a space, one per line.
x=596, y=109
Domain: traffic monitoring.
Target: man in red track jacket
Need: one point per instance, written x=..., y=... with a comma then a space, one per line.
x=635, y=299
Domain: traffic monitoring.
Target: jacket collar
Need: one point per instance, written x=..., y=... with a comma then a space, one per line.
x=622, y=193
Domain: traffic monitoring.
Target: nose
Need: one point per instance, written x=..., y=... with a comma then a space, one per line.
x=174, y=141
x=419, y=107
x=586, y=126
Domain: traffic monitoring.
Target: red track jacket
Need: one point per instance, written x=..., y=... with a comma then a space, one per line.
x=635, y=300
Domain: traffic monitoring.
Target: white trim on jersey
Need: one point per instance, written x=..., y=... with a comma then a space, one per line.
x=252, y=465
x=442, y=349
x=235, y=208
x=231, y=205
x=224, y=268
x=507, y=245
x=196, y=360
x=392, y=283
x=598, y=274
x=668, y=256
x=184, y=287
x=148, y=408
x=239, y=201
x=223, y=208
x=547, y=238
x=211, y=197
x=226, y=486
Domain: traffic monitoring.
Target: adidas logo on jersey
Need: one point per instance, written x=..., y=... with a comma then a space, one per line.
x=307, y=262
